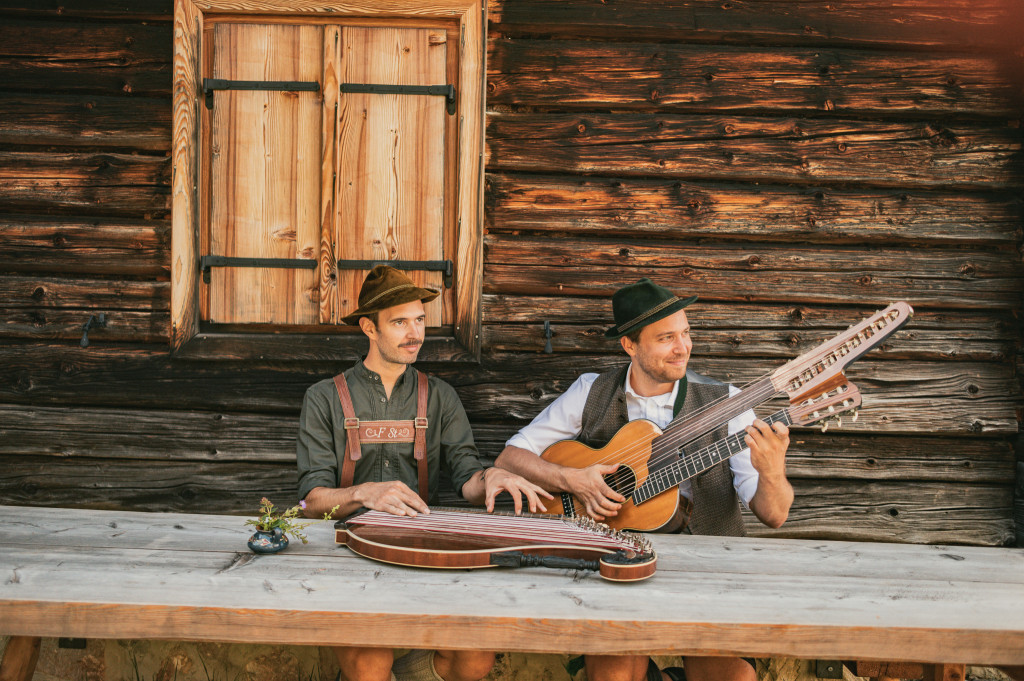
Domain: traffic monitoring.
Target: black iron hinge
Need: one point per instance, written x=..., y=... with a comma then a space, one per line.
x=208, y=261
x=445, y=266
x=211, y=84
x=446, y=91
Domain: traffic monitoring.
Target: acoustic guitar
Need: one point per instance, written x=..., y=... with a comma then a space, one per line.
x=814, y=382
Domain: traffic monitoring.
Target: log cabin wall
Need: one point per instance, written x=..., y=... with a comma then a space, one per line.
x=797, y=165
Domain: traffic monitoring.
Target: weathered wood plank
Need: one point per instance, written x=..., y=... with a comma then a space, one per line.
x=84, y=121
x=98, y=295
x=762, y=273
x=918, y=512
x=680, y=210
x=122, y=10
x=19, y=658
x=96, y=246
x=395, y=207
x=54, y=528
x=906, y=24
x=585, y=74
x=300, y=595
x=191, y=486
x=107, y=184
x=105, y=58
x=262, y=142
x=121, y=326
x=144, y=434
x=895, y=154
x=578, y=324
x=808, y=319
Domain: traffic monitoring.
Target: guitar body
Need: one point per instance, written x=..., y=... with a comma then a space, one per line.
x=631, y=449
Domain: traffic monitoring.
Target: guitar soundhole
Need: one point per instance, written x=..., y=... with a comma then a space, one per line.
x=622, y=481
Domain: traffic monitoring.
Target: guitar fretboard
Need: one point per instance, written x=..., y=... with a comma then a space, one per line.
x=697, y=462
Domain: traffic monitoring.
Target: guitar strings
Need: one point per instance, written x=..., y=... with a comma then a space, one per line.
x=663, y=447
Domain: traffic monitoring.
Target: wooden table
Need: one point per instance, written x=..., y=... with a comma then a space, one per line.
x=104, y=574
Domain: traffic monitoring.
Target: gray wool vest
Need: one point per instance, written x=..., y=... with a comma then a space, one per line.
x=716, y=507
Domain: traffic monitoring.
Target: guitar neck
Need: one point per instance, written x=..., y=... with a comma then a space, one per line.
x=697, y=462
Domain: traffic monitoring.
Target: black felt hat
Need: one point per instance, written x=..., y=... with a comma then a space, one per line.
x=637, y=305
x=386, y=287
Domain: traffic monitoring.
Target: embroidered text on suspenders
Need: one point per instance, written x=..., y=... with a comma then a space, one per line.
x=357, y=431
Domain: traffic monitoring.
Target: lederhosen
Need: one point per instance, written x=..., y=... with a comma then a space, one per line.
x=716, y=509
x=372, y=432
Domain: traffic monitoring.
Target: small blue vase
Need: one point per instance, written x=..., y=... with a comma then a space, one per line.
x=268, y=542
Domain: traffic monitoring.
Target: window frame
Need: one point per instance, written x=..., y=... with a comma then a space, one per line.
x=333, y=343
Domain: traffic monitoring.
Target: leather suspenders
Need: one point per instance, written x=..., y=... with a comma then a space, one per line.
x=357, y=431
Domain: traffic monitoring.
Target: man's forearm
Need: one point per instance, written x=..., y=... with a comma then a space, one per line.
x=550, y=476
x=772, y=500
x=320, y=500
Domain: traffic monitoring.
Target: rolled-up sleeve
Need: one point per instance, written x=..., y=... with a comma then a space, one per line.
x=457, y=445
x=314, y=448
x=560, y=420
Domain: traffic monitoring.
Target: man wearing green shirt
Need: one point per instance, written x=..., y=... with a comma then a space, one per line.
x=384, y=390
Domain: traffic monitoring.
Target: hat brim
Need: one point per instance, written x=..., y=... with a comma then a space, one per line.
x=618, y=332
x=400, y=297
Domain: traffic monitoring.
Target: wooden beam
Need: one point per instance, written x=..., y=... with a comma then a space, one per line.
x=19, y=659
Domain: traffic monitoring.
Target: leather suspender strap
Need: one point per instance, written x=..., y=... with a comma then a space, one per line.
x=384, y=431
x=352, y=451
x=420, y=446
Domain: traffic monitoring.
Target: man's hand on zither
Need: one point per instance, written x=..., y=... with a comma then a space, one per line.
x=392, y=497
x=497, y=480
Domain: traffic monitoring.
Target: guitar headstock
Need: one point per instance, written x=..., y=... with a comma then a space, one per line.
x=821, y=369
x=831, y=404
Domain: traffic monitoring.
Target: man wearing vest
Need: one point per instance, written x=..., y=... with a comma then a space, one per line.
x=382, y=429
x=651, y=326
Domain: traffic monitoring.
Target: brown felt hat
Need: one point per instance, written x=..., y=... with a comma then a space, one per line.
x=386, y=287
x=637, y=305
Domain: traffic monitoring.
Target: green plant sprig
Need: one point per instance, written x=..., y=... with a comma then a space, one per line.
x=271, y=519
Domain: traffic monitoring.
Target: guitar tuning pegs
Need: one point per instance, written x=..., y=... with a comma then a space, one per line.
x=856, y=415
x=839, y=422
x=824, y=426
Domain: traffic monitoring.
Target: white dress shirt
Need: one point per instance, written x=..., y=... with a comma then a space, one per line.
x=563, y=420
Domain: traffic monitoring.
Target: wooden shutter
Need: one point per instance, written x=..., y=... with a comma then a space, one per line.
x=391, y=159
x=265, y=174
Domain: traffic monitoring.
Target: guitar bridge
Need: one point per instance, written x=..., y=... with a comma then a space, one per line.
x=568, y=507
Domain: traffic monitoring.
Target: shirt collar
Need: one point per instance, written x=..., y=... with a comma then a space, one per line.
x=667, y=398
x=366, y=373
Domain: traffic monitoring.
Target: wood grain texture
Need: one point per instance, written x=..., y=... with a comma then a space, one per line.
x=646, y=208
x=95, y=58
x=185, y=223
x=46, y=293
x=78, y=245
x=265, y=174
x=391, y=162
x=908, y=24
x=578, y=324
x=70, y=121
x=104, y=184
x=763, y=273
x=709, y=594
x=757, y=149
x=576, y=74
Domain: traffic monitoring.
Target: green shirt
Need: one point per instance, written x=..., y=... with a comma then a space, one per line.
x=320, y=449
